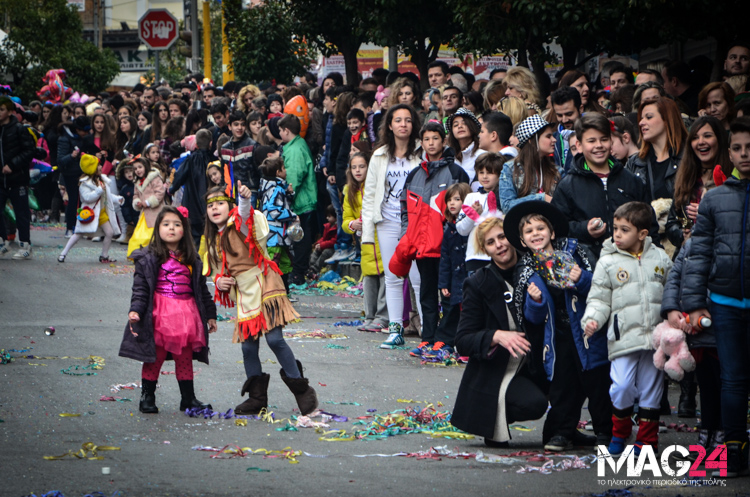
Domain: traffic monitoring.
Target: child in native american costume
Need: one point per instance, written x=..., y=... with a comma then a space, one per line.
x=237, y=260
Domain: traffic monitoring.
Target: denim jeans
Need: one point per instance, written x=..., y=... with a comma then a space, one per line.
x=732, y=327
x=342, y=237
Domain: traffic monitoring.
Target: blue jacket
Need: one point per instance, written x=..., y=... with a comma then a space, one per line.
x=452, y=271
x=538, y=313
x=274, y=203
x=325, y=161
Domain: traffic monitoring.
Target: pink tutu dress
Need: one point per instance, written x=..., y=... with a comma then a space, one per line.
x=177, y=322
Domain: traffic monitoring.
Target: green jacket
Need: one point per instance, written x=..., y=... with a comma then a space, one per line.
x=300, y=174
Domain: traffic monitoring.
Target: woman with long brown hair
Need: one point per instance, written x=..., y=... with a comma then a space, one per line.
x=463, y=136
x=706, y=148
x=159, y=122
x=395, y=157
x=663, y=136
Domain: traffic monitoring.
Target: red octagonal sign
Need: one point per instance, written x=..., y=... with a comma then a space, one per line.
x=157, y=29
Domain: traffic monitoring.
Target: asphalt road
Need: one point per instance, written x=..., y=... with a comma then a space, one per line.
x=87, y=304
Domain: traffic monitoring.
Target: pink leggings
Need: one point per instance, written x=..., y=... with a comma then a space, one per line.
x=183, y=365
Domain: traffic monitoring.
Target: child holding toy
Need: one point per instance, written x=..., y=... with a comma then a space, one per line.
x=626, y=293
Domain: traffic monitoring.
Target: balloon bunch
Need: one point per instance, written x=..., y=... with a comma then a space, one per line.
x=55, y=91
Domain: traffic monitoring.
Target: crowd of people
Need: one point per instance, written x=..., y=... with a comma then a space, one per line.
x=538, y=229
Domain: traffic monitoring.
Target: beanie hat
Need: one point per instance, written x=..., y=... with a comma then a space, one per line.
x=274, y=97
x=529, y=127
x=89, y=163
x=273, y=127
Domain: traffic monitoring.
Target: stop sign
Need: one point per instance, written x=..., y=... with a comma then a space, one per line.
x=157, y=29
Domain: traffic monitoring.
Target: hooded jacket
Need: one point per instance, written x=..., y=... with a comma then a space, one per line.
x=17, y=148
x=626, y=293
x=720, y=257
x=422, y=208
x=300, y=173
x=143, y=347
x=581, y=196
x=371, y=262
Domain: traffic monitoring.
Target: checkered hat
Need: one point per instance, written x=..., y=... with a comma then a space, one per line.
x=529, y=127
x=462, y=112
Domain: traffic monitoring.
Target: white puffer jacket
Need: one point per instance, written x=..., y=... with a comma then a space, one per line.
x=626, y=293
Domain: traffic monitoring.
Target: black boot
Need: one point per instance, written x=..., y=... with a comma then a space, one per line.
x=257, y=389
x=688, y=388
x=737, y=460
x=664, y=408
x=148, y=397
x=305, y=395
x=188, y=400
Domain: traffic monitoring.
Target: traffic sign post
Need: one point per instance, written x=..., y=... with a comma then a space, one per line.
x=157, y=29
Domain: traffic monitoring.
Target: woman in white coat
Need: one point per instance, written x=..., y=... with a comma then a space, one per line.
x=381, y=205
x=96, y=214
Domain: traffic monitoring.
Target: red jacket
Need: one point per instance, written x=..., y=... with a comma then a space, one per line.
x=423, y=238
x=328, y=240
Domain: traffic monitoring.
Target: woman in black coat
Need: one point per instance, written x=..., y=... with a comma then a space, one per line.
x=497, y=387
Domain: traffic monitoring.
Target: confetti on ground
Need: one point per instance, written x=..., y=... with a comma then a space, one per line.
x=401, y=422
x=57, y=493
x=87, y=451
x=95, y=363
x=296, y=335
x=124, y=386
x=69, y=415
x=356, y=322
x=112, y=269
x=231, y=451
x=334, y=346
x=342, y=403
x=5, y=357
x=105, y=398
x=259, y=470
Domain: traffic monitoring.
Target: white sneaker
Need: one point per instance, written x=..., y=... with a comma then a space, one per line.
x=68, y=233
x=122, y=239
x=96, y=239
x=24, y=253
x=4, y=251
x=341, y=255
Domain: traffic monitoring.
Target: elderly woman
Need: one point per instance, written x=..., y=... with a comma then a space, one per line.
x=500, y=383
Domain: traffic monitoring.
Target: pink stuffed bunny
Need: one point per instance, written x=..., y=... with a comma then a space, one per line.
x=672, y=354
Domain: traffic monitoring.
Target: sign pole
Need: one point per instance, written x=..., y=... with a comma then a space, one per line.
x=156, y=71
x=207, y=39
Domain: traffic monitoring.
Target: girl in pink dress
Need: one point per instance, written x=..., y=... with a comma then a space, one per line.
x=171, y=310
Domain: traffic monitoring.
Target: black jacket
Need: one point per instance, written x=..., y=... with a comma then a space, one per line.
x=17, y=148
x=192, y=175
x=452, y=269
x=337, y=135
x=485, y=310
x=581, y=196
x=642, y=168
x=720, y=256
x=143, y=347
x=88, y=146
x=66, y=143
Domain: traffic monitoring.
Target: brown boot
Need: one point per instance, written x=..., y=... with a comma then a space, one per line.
x=305, y=395
x=257, y=389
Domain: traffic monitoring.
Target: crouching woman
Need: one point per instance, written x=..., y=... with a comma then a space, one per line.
x=498, y=386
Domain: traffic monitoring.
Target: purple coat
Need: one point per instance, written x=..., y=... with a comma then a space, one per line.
x=143, y=347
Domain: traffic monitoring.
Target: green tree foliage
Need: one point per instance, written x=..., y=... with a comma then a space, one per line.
x=335, y=26
x=263, y=42
x=417, y=28
x=44, y=35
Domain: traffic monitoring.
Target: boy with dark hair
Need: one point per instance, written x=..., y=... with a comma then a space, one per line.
x=718, y=264
x=301, y=175
x=237, y=156
x=220, y=113
x=365, y=102
x=619, y=77
x=177, y=108
x=495, y=133
x=355, y=121
x=276, y=198
x=192, y=175
x=554, y=305
x=626, y=293
x=17, y=148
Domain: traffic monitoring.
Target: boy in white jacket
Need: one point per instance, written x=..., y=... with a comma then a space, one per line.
x=626, y=292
